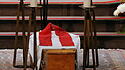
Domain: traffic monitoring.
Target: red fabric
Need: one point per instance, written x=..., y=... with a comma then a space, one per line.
x=45, y=36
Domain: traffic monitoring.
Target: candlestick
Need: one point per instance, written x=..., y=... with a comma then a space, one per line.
x=33, y=3
x=87, y=3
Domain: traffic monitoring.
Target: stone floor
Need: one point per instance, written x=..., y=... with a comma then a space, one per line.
x=6, y=60
x=109, y=60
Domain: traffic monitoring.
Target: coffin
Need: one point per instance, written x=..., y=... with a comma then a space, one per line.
x=58, y=59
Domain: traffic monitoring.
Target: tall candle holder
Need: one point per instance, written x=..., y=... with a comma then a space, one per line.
x=43, y=16
x=45, y=12
x=32, y=20
x=89, y=37
x=20, y=12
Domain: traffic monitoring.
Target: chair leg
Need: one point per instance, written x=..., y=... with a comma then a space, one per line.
x=97, y=58
x=15, y=49
x=14, y=59
x=84, y=59
x=93, y=58
x=87, y=56
x=24, y=54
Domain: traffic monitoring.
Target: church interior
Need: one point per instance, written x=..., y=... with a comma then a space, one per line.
x=62, y=34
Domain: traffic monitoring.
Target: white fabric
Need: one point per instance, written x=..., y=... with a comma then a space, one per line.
x=55, y=45
x=55, y=38
x=120, y=9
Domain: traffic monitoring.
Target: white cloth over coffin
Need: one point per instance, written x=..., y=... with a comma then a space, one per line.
x=55, y=45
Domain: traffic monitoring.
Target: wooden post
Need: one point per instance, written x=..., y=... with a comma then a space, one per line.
x=45, y=12
x=89, y=36
x=88, y=39
x=16, y=37
x=41, y=15
x=20, y=12
x=35, y=39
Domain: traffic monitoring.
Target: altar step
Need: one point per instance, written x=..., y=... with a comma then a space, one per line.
x=103, y=23
x=69, y=16
x=62, y=1
x=65, y=18
x=104, y=40
x=62, y=8
x=109, y=59
x=5, y=34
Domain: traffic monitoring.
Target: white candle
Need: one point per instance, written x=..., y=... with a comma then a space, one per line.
x=87, y=3
x=33, y=3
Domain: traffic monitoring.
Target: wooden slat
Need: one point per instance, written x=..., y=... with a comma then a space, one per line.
x=62, y=1
x=10, y=33
x=76, y=33
x=102, y=33
x=65, y=18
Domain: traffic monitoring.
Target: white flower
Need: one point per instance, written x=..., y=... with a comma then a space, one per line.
x=120, y=9
x=116, y=12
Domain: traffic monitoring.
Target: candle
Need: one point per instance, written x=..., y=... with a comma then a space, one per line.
x=87, y=3
x=33, y=3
